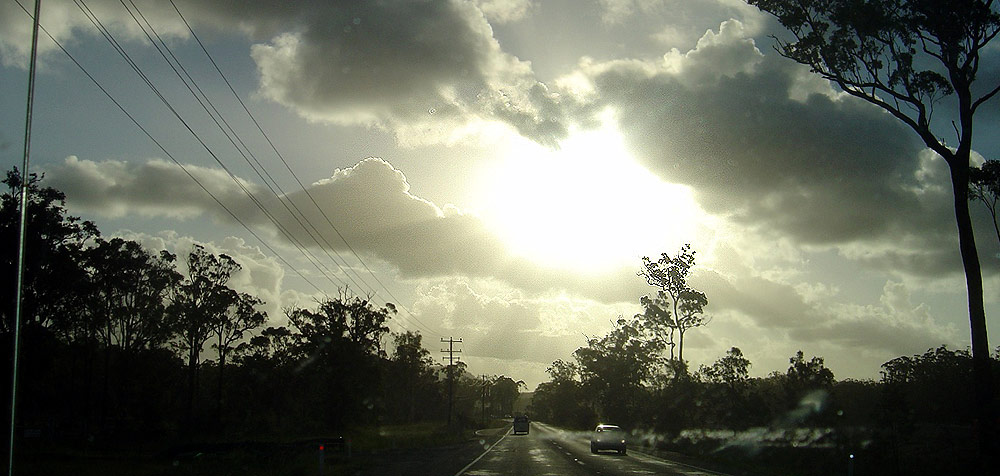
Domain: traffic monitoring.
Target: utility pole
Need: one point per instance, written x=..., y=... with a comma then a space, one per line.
x=451, y=370
x=23, y=231
x=484, y=400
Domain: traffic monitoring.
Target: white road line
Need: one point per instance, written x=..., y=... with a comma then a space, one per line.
x=466, y=468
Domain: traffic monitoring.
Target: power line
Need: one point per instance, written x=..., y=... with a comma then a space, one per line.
x=191, y=84
x=292, y=172
x=171, y=156
x=202, y=98
x=281, y=228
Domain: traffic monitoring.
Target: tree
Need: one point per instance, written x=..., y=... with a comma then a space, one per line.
x=905, y=56
x=669, y=274
x=732, y=370
x=805, y=376
x=690, y=315
x=617, y=367
x=725, y=392
x=562, y=400
x=341, y=344
x=130, y=287
x=411, y=378
x=54, y=248
x=348, y=318
x=229, y=327
x=504, y=392
x=984, y=185
x=201, y=300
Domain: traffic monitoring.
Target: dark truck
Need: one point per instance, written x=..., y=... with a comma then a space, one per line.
x=521, y=424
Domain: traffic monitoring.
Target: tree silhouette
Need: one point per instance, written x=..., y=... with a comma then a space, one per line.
x=905, y=56
x=229, y=327
x=411, y=385
x=54, y=246
x=131, y=286
x=732, y=370
x=984, y=185
x=807, y=375
x=669, y=274
x=616, y=368
x=504, y=392
x=341, y=347
x=202, y=299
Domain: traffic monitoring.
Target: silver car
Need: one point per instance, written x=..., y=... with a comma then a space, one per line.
x=607, y=437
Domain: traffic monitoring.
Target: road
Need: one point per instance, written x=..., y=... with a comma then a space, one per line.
x=549, y=451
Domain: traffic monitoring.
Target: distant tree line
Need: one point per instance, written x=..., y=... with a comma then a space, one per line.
x=918, y=418
x=118, y=343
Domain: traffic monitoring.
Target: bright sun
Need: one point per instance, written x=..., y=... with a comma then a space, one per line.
x=587, y=206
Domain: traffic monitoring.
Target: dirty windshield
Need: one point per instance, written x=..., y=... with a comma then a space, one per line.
x=453, y=237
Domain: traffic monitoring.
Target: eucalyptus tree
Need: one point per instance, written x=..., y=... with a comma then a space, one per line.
x=907, y=57
x=54, y=249
x=341, y=345
x=201, y=300
x=230, y=327
x=676, y=307
x=984, y=186
x=618, y=368
x=131, y=287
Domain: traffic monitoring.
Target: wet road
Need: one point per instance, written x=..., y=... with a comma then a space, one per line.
x=548, y=451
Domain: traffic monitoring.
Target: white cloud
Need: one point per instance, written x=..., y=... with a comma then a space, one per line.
x=896, y=326
x=65, y=21
x=498, y=321
x=418, y=70
x=505, y=11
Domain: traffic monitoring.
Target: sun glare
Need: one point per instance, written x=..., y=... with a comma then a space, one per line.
x=587, y=206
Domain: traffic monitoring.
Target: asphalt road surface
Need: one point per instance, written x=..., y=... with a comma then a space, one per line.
x=548, y=451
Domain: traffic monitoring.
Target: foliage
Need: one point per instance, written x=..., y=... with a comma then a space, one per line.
x=504, y=392
x=115, y=337
x=906, y=56
x=670, y=274
x=54, y=245
x=614, y=368
x=129, y=291
x=731, y=370
x=984, y=185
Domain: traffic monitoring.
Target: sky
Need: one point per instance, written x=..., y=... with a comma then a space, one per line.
x=497, y=169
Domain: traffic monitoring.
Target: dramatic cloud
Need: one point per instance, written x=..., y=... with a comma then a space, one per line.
x=370, y=205
x=896, y=326
x=421, y=70
x=426, y=71
x=114, y=189
x=498, y=322
x=765, y=145
x=505, y=11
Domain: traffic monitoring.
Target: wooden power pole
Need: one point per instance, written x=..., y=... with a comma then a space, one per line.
x=451, y=370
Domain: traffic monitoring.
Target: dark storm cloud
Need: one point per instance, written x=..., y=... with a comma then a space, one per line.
x=761, y=142
x=420, y=69
x=114, y=188
x=823, y=171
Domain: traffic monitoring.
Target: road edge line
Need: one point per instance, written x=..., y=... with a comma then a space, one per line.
x=466, y=468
